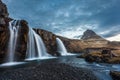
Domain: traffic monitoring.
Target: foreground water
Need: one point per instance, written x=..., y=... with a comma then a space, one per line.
x=101, y=70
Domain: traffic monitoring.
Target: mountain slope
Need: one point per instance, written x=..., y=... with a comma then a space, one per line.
x=89, y=34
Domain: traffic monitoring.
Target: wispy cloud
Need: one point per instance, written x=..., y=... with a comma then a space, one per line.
x=61, y=15
x=77, y=31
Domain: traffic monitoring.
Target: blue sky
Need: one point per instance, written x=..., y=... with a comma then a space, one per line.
x=69, y=18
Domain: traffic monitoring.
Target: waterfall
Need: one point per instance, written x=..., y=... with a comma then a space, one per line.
x=14, y=28
x=35, y=47
x=60, y=47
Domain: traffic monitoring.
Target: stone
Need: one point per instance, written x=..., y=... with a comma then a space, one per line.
x=115, y=75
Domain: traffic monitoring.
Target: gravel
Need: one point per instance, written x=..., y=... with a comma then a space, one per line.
x=48, y=71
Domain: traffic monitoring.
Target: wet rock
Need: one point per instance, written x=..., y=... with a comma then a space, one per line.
x=22, y=40
x=21, y=47
x=93, y=58
x=115, y=75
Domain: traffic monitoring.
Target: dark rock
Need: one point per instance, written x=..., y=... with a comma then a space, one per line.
x=58, y=54
x=93, y=58
x=4, y=31
x=100, y=58
x=4, y=39
x=106, y=51
x=3, y=13
x=115, y=75
x=22, y=41
x=21, y=47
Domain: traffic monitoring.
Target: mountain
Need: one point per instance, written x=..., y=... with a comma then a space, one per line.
x=89, y=34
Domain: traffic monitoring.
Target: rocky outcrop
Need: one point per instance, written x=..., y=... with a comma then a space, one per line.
x=4, y=32
x=5, y=35
x=115, y=75
x=3, y=14
x=21, y=46
x=102, y=57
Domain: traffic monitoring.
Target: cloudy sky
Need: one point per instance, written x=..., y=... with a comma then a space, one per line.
x=70, y=18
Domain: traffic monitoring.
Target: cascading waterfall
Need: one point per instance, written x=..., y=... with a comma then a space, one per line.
x=60, y=47
x=36, y=48
x=14, y=28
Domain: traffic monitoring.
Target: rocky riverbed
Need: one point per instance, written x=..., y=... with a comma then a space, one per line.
x=48, y=71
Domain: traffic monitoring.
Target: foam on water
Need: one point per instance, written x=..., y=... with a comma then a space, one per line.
x=11, y=64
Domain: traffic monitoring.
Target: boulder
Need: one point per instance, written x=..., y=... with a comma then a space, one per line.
x=115, y=75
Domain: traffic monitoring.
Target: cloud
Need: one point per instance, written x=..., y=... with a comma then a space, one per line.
x=62, y=15
x=76, y=32
x=114, y=38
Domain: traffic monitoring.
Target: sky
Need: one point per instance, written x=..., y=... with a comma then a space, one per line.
x=70, y=18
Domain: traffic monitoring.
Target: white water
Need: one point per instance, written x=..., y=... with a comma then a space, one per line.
x=35, y=48
x=14, y=28
x=61, y=48
x=11, y=64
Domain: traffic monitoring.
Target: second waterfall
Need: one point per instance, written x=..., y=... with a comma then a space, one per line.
x=35, y=47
